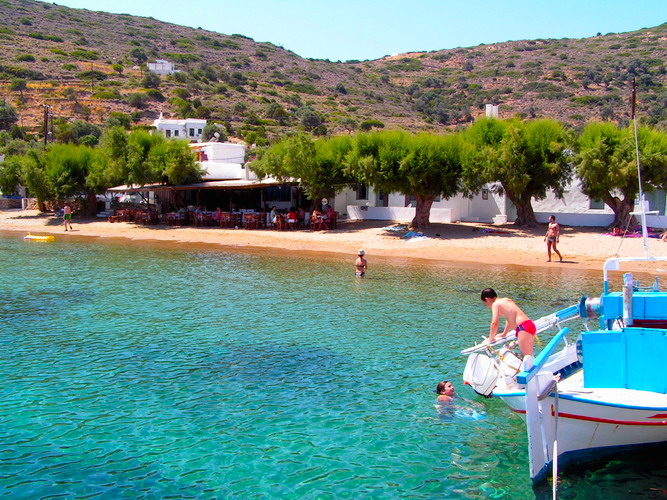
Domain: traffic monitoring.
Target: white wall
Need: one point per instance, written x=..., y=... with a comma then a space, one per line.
x=398, y=214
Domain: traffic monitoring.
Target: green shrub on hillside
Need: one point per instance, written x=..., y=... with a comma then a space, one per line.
x=84, y=55
x=107, y=94
x=303, y=88
x=42, y=36
x=25, y=58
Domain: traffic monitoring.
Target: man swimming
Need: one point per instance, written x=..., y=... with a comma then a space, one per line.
x=515, y=319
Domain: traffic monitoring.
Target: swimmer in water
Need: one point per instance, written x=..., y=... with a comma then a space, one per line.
x=361, y=264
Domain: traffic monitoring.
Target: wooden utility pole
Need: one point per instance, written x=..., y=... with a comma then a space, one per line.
x=46, y=123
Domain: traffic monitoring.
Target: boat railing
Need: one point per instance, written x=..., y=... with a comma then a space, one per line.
x=542, y=324
x=524, y=376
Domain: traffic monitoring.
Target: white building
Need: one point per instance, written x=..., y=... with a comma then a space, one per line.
x=575, y=209
x=222, y=161
x=190, y=128
x=162, y=67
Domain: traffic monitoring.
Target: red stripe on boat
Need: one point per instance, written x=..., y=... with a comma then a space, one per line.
x=604, y=420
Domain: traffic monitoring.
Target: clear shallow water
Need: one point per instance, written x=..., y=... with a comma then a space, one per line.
x=144, y=372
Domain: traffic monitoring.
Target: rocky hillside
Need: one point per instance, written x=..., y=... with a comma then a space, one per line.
x=87, y=64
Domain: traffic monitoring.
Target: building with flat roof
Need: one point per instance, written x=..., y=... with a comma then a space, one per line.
x=162, y=67
x=190, y=129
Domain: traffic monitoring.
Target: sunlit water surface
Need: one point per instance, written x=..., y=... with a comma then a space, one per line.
x=146, y=372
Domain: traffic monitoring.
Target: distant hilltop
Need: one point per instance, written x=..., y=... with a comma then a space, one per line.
x=88, y=65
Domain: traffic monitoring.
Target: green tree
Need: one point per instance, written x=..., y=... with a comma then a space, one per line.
x=18, y=85
x=118, y=68
x=424, y=166
x=10, y=175
x=525, y=159
x=210, y=129
x=607, y=166
x=138, y=56
x=8, y=116
x=309, y=118
x=175, y=162
x=367, y=125
x=275, y=111
x=151, y=80
x=34, y=178
x=137, y=100
x=67, y=167
x=317, y=164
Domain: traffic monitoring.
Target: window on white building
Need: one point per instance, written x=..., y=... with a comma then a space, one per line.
x=362, y=191
x=175, y=133
x=167, y=133
x=192, y=132
x=382, y=199
x=594, y=204
x=199, y=131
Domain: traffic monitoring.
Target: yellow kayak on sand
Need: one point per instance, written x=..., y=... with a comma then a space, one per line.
x=38, y=237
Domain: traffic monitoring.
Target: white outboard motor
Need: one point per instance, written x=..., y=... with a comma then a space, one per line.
x=481, y=373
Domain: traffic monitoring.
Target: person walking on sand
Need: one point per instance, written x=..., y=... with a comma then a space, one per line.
x=553, y=237
x=361, y=264
x=67, y=216
x=515, y=319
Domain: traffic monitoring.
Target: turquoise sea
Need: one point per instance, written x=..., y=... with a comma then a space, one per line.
x=150, y=371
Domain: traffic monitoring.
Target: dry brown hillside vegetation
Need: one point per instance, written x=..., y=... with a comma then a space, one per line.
x=87, y=65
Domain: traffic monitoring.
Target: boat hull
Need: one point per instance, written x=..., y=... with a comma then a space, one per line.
x=586, y=428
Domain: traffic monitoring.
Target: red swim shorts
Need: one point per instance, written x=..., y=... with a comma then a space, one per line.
x=527, y=326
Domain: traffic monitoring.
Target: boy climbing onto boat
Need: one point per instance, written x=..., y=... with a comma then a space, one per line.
x=515, y=319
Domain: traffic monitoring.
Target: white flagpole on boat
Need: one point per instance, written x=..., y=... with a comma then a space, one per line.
x=554, y=467
x=642, y=206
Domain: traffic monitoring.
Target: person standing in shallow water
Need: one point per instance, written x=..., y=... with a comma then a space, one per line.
x=553, y=237
x=361, y=264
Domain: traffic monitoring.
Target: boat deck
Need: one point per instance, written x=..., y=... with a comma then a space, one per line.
x=573, y=388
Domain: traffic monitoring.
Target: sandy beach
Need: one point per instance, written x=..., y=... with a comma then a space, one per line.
x=582, y=248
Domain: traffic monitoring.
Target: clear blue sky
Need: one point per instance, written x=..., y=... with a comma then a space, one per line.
x=370, y=29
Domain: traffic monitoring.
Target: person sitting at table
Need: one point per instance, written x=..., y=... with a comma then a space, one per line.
x=217, y=214
x=292, y=217
x=331, y=214
x=272, y=215
x=301, y=214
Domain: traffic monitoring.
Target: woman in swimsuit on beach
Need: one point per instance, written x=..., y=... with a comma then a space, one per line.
x=552, y=237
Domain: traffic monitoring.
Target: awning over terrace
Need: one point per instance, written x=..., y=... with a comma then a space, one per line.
x=228, y=184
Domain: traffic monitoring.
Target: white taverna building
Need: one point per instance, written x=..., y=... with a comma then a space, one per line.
x=222, y=161
x=162, y=67
x=575, y=209
x=190, y=129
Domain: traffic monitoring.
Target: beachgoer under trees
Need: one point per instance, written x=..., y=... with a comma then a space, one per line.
x=67, y=216
x=445, y=391
x=361, y=264
x=552, y=237
x=273, y=214
x=515, y=319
